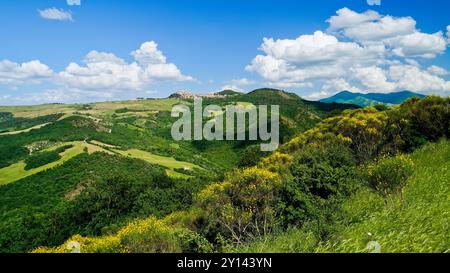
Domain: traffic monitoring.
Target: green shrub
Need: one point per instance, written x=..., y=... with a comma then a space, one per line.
x=290, y=241
x=244, y=206
x=10, y=123
x=389, y=175
x=62, y=149
x=429, y=117
x=11, y=154
x=251, y=156
x=320, y=172
x=149, y=235
x=192, y=242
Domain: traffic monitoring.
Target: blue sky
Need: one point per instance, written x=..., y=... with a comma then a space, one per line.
x=95, y=50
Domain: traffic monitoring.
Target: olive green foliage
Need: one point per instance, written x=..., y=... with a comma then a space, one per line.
x=251, y=156
x=364, y=128
x=296, y=114
x=389, y=175
x=86, y=196
x=10, y=123
x=126, y=110
x=415, y=221
x=306, y=196
x=142, y=236
x=326, y=165
x=321, y=175
x=429, y=117
x=372, y=132
x=43, y=158
x=13, y=147
x=4, y=116
x=12, y=154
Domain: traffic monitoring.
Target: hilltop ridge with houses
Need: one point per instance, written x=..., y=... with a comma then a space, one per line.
x=189, y=95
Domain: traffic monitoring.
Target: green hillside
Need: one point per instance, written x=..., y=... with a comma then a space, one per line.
x=56, y=156
x=361, y=178
x=418, y=221
x=297, y=115
x=89, y=195
x=228, y=93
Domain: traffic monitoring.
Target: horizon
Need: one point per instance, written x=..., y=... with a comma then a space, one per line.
x=201, y=94
x=66, y=51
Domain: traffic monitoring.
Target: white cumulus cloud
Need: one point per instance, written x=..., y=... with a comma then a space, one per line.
x=399, y=34
x=242, y=81
x=339, y=84
x=232, y=87
x=360, y=52
x=348, y=18
x=418, y=44
x=148, y=53
x=100, y=75
x=378, y=29
x=319, y=95
x=374, y=79
x=412, y=78
x=13, y=74
x=238, y=84
x=102, y=70
x=437, y=70
x=317, y=56
x=55, y=14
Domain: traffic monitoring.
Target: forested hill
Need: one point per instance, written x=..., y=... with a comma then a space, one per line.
x=297, y=114
x=109, y=176
x=61, y=163
x=364, y=175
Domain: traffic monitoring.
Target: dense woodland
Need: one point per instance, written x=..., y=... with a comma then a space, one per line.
x=10, y=123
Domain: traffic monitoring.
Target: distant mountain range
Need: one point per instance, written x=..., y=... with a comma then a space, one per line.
x=371, y=98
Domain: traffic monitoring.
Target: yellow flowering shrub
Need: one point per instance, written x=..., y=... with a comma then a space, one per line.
x=244, y=205
x=389, y=174
x=142, y=236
